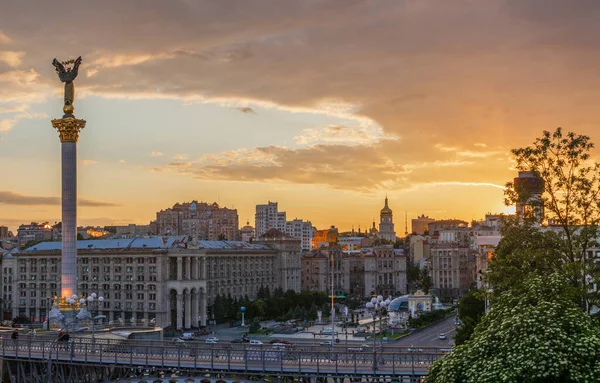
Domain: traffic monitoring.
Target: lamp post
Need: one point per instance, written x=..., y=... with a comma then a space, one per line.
x=377, y=307
x=91, y=300
x=48, y=305
x=243, y=310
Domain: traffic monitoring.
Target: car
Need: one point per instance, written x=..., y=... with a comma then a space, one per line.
x=256, y=342
x=212, y=341
x=457, y=323
x=442, y=336
x=327, y=331
x=237, y=340
x=280, y=341
x=187, y=336
x=177, y=340
x=325, y=343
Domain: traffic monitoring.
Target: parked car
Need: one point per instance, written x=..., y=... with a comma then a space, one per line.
x=256, y=342
x=442, y=336
x=325, y=343
x=327, y=331
x=237, y=340
x=212, y=339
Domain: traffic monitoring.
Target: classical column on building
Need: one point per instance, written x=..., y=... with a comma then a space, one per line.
x=179, y=269
x=195, y=303
x=203, y=268
x=202, y=306
x=188, y=309
x=179, y=311
x=194, y=268
x=186, y=268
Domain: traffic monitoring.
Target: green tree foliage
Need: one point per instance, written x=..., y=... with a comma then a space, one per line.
x=470, y=310
x=523, y=250
x=532, y=335
x=570, y=200
x=426, y=281
x=281, y=306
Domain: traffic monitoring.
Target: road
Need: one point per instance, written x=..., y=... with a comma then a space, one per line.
x=429, y=336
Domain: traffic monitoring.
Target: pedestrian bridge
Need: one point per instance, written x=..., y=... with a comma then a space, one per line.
x=37, y=360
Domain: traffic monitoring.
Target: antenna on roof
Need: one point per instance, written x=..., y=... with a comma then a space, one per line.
x=405, y=223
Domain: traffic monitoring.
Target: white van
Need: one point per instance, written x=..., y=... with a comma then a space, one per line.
x=187, y=336
x=256, y=342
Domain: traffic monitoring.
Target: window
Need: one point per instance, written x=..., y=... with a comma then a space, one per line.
x=152, y=297
x=106, y=269
x=140, y=306
x=106, y=304
x=151, y=287
x=140, y=287
x=129, y=296
x=152, y=306
x=117, y=269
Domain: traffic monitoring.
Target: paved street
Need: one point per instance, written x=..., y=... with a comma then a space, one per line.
x=429, y=337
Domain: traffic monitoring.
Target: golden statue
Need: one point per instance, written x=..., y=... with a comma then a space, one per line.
x=67, y=75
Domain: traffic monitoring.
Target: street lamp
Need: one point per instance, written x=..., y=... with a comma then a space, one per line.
x=243, y=310
x=48, y=305
x=377, y=307
x=91, y=300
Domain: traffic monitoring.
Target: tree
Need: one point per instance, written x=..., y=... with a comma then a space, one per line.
x=532, y=335
x=426, y=281
x=524, y=249
x=571, y=182
x=470, y=310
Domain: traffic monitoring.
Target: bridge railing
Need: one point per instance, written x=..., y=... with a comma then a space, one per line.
x=208, y=356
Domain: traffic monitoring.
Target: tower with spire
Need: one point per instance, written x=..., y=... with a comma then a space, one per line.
x=386, y=223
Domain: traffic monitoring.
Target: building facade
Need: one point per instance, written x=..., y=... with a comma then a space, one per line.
x=34, y=232
x=269, y=217
x=379, y=270
x=209, y=222
x=302, y=230
x=3, y=232
x=420, y=225
x=171, y=280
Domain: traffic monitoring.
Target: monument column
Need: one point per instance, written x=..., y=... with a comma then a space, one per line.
x=68, y=128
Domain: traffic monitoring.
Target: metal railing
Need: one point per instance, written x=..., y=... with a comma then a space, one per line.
x=247, y=358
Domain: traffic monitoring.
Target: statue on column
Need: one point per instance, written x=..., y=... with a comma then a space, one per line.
x=67, y=75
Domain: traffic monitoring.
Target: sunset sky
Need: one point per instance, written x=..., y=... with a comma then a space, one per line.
x=322, y=106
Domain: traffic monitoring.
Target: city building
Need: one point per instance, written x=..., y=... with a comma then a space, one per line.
x=386, y=223
x=420, y=225
x=485, y=247
x=268, y=217
x=419, y=248
x=302, y=230
x=379, y=270
x=34, y=232
x=3, y=232
x=327, y=237
x=199, y=219
x=247, y=232
x=129, y=231
x=172, y=280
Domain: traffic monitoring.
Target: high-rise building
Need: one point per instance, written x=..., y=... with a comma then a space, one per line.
x=199, y=219
x=421, y=224
x=386, y=223
x=302, y=230
x=3, y=232
x=268, y=217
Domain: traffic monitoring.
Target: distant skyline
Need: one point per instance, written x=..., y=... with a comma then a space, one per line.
x=322, y=106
